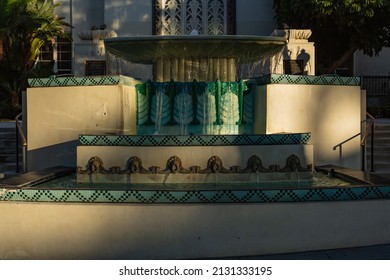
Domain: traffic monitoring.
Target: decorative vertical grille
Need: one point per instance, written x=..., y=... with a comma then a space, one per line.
x=209, y=17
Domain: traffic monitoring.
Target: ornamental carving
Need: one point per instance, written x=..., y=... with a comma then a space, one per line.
x=174, y=165
x=207, y=17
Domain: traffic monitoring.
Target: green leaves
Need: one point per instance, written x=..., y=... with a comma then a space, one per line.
x=339, y=25
x=25, y=26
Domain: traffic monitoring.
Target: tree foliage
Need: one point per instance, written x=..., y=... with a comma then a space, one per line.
x=25, y=26
x=340, y=27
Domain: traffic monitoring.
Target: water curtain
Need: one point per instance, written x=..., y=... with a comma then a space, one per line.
x=215, y=106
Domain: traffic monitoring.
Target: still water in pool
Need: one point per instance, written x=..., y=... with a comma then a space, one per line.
x=319, y=180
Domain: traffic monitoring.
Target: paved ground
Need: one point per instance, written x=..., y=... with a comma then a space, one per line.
x=378, y=252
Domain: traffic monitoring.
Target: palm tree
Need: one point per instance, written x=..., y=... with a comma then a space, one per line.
x=25, y=26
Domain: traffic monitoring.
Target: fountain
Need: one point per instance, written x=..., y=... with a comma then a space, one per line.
x=185, y=58
x=195, y=122
x=174, y=157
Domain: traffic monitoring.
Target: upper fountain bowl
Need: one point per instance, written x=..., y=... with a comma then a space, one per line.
x=151, y=48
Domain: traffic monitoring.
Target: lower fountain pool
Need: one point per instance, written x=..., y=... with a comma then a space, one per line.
x=320, y=179
x=324, y=185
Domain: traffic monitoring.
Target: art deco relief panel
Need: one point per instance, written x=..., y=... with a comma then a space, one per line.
x=209, y=17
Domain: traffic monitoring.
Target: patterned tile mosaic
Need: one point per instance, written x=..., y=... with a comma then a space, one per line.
x=308, y=80
x=80, y=81
x=203, y=196
x=123, y=80
x=194, y=140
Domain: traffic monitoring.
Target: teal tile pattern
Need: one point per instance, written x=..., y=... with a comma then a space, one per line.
x=307, y=80
x=194, y=140
x=80, y=81
x=199, y=196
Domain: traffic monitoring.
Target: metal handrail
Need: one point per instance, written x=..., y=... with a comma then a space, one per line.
x=345, y=141
x=20, y=133
x=369, y=129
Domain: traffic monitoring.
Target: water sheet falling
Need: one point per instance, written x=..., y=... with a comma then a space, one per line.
x=230, y=114
x=160, y=114
x=206, y=113
x=210, y=108
x=183, y=112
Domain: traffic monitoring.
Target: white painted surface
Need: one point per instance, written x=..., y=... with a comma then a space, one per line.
x=57, y=115
x=125, y=231
x=331, y=113
x=365, y=65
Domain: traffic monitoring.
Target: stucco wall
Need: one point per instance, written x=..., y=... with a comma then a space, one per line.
x=129, y=17
x=57, y=115
x=255, y=17
x=372, y=66
x=126, y=231
x=134, y=17
x=331, y=113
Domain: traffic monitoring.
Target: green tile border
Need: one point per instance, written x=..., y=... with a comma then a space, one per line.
x=203, y=196
x=307, y=80
x=124, y=80
x=194, y=140
x=81, y=81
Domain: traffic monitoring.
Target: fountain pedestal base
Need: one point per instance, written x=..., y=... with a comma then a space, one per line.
x=158, y=162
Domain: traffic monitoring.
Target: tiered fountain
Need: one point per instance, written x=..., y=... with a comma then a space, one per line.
x=195, y=122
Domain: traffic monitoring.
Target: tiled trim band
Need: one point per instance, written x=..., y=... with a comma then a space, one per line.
x=202, y=196
x=194, y=140
x=81, y=81
x=263, y=80
x=307, y=80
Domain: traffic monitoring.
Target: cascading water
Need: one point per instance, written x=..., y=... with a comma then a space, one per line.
x=206, y=112
x=160, y=103
x=183, y=113
x=230, y=114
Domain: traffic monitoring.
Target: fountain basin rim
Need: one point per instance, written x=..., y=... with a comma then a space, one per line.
x=218, y=38
x=147, y=49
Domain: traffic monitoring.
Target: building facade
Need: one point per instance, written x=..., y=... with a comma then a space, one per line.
x=94, y=20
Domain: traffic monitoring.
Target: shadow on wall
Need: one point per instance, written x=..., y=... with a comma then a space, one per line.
x=298, y=66
x=63, y=154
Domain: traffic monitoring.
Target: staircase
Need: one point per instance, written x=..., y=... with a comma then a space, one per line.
x=8, y=148
x=381, y=147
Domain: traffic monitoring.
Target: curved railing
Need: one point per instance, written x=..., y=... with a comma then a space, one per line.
x=369, y=131
x=20, y=135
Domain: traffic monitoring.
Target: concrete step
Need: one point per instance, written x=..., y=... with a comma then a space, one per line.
x=32, y=178
x=381, y=131
x=6, y=135
x=9, y=158
x=378, y=150
x=378, y=167
x=8, y=146
x=379, y=158
x=379, y=138
x=381, y=144
x=9, y=167
x=9, y=150
x=381, y=147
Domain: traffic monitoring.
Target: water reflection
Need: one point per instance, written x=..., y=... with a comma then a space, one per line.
x=319, y=180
